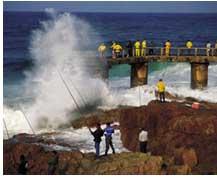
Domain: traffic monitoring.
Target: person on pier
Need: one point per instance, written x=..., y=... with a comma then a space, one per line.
x=215, y=50
x=189, y=46
x=137, y=48
x=161, y=90
x=118, y=49
x=144, y=46
x=129, y=47
x=113, y=51
x=167, y=47
x=208, y=48
x=102, y=49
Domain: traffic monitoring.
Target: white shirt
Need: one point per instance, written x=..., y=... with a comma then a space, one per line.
x=143, y=136
x=208, y=45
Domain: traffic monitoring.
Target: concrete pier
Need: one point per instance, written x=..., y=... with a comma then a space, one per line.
x=198, y=59
x=139, y=74
x=199, y=75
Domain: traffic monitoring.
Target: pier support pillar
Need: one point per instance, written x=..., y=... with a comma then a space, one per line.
x=139, y=74
x=199, y=75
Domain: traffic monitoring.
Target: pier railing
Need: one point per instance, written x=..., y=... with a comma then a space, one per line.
x=160, y=51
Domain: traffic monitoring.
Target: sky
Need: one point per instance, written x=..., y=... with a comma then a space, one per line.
x=112, y=6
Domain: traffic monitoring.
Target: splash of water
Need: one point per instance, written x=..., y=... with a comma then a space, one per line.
x=61, y=45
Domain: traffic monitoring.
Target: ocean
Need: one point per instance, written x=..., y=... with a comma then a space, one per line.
x=42, y=47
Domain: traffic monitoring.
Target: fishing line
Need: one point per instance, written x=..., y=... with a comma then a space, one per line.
x=78, y=108
x=26, y=119
x=77, y=90
x=6, y=128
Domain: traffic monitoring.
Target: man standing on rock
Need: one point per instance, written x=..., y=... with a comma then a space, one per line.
x=53, y=163
x=97, y=134
x=109, y=130
x=143, y=140
x=161, y=90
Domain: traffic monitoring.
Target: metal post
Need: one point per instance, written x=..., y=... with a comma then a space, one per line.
x=178, y=52
x=195, y=53
x=133, y=52
x=161, y=51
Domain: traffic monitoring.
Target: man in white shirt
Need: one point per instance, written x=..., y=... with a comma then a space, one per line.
x=208, y=48
x=143, y=140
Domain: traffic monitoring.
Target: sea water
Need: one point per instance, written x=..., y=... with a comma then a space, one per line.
x=42, y=47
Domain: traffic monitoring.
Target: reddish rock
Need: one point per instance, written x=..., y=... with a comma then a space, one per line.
x=172, y=126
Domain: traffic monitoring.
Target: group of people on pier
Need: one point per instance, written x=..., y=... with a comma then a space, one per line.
x=143, y=48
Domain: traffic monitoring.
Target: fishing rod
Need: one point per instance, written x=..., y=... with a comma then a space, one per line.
x=82, y=98
x=26, y=119
x=12, y=155
x=61, y=77
x=6, y=128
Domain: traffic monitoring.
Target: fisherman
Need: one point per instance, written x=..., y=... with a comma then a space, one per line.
x=102, y=49
x=118, y=49
x=161, y=90
x=97, y=134
x=129, y=47
x=189, y=45
x=143, y=140
x=108, y=138
x=137, y=48
x=113, y=51
x=151, y=50
x=216, y=47
x=23, y=166
x=144, y=46
x=53, y=163
x=208, y=48
x=167, y=47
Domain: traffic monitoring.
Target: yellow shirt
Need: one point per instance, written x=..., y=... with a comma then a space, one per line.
x=137, y=45
x=102, y=48
x=189, y=44
x=161, y=86
x=168, y=44
x=117, y=48
x=113, y=45
x=144, y=44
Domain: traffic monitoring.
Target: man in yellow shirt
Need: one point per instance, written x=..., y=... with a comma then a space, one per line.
x=137, y=48
x=102, y=49
x=144, y=46
x=113, y=51
x=118, y=49
x=167, y=47
x=161, y=90
x=189, y=45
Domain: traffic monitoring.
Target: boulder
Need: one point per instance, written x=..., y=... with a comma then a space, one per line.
x=174, y=130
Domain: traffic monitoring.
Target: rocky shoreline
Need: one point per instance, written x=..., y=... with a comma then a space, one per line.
x=183, y=138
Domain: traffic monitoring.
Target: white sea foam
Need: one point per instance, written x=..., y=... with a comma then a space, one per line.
x=84, y=140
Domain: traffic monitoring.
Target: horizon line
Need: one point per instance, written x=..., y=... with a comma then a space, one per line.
x=115, y=12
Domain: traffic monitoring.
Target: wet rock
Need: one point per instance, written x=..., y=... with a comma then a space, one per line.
x=172, y=127
x=74, y=162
